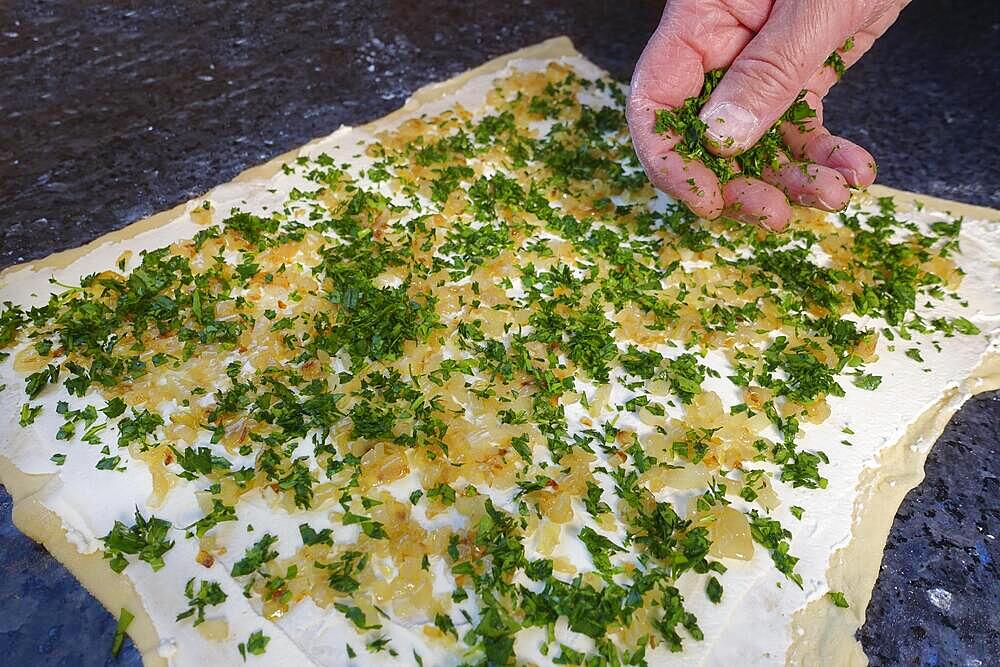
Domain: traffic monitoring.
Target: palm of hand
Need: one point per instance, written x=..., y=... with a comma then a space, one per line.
x=774, y=49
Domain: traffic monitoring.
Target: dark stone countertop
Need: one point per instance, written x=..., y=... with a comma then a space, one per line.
x=111, y=111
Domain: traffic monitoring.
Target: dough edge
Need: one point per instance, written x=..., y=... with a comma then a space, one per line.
x=820, y=632
x=823, y=633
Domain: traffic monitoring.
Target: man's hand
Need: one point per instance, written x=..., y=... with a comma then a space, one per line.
x=773, y=49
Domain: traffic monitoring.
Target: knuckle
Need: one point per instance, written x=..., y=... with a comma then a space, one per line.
x=766, y=76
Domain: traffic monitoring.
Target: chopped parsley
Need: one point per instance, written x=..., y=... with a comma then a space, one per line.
x=28, y=414
x=256, y=556
x=482, y=312
x=125, y=618
x=147, y=539
x=256, y=644
x=208, y=594
x=685, y=123
x=838, y=599
x=713, y=589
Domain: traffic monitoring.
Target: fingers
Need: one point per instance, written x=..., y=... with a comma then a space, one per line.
x=757, y=203
x=667, y=73
x=853, y=162
x=670, y=70
x=687, y=181
x=812, y=142
x=770, y=72
x=690, y=182
x=786, y=55
x=810, y=185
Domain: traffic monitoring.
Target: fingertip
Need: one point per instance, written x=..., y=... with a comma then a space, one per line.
x=689, y=182
x=704, y=206
x=755, y=202
x=860, y=178
x=834, y=197
x=853, y=162
x=811, y=185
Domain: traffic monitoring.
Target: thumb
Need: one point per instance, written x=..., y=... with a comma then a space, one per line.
x=773, y=68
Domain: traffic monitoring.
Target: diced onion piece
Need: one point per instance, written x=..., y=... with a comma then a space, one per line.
x=729, y=531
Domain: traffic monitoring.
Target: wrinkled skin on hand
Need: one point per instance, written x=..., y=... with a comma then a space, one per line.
x=773, y=49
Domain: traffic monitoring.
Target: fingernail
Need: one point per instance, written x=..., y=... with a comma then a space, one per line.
x=851, y=176
x=729, y=125
x=825, y=204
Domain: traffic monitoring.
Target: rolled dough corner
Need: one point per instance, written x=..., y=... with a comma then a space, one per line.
x=112, y=590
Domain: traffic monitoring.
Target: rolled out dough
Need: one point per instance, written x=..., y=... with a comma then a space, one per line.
x=821, y=633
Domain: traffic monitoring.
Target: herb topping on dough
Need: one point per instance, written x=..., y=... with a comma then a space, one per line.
x=494, y=362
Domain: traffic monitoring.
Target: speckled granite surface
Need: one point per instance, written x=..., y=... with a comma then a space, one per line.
x=110, y=111
x=937, y=600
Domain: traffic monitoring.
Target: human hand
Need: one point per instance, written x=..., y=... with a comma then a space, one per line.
x=774, y=50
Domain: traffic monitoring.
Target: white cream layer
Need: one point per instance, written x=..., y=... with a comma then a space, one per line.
x=752, y=625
